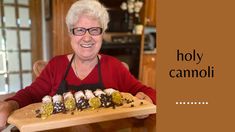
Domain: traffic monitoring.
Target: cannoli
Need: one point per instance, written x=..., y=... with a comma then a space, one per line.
x=81, y=100
x=47, y=107
x=69, y=101
x=58, y=105
x=106, y=100
x=116, y=96
x=93, y=101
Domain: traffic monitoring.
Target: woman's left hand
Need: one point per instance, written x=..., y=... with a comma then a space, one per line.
x=143, y=96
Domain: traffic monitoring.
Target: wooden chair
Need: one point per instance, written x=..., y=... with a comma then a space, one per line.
x=38, y=66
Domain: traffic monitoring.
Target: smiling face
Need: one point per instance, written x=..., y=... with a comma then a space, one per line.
x=86, y=46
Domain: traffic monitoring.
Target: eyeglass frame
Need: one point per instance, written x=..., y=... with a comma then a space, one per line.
x=86, y=29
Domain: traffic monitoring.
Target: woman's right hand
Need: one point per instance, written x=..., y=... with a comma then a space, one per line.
x=6, y=107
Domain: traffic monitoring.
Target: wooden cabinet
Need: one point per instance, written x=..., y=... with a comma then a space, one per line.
x=149, y=70
x=150, y=12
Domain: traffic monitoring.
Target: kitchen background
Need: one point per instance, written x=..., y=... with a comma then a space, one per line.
x=32, y=30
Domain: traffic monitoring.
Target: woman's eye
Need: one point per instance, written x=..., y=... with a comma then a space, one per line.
x=79, y=30
x=95, y=30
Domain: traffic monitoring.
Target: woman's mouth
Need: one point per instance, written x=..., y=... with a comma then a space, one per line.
x=86, y=45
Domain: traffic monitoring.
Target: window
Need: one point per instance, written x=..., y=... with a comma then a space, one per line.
x=15, y=45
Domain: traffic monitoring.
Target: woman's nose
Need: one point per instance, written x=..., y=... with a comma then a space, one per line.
x=87, y=36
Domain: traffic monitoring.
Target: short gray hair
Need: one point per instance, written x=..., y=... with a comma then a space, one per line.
x=88, y=7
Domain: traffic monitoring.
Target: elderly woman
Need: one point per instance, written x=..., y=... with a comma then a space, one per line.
x=84, y=69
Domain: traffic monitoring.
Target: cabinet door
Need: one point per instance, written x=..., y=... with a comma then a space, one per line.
x=149, y=70
x=151, y=11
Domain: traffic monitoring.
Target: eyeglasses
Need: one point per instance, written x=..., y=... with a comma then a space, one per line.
x=79, y=31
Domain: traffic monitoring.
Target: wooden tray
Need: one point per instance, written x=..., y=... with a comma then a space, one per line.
x=25, y=118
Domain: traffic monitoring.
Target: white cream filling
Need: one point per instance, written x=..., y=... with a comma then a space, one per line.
x=109, y=91
x=47, y=99
x=68, y=95
x=57, y=98
x=89, y=94
x=98, y=92
x=79, y=94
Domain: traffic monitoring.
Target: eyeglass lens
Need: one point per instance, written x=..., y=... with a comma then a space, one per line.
x=79, y=31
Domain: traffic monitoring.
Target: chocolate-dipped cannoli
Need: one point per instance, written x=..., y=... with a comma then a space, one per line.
x=116, y=96
x=106, y=100
x=93, y=101
x=81, y=100
x=47, y=107
x=58, y=105
x=69, y=101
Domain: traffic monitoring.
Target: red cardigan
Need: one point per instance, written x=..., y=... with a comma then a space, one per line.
x=114, y=75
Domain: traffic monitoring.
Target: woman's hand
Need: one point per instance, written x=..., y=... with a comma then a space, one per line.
x=6, y=107
x=143, y=96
